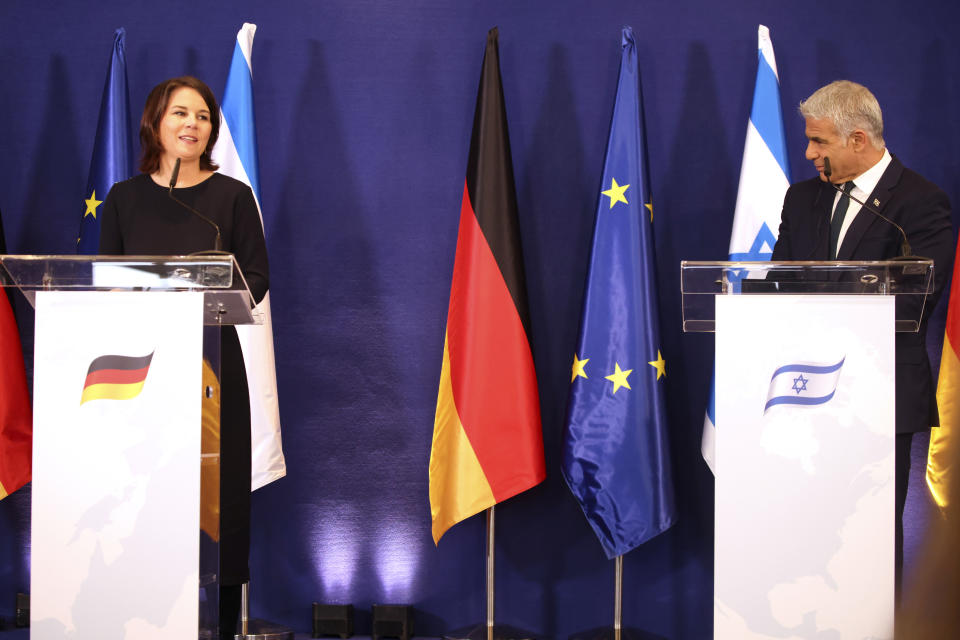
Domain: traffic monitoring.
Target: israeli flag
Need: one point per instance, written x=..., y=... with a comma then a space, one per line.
x=804, y=384
x=236, y=153
x=763, y=183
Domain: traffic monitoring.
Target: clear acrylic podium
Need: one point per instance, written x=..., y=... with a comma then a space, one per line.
x=126, y=440
x=804, y=459
x=701, y=281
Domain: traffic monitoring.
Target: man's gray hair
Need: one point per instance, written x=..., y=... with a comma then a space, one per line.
x=849, y=106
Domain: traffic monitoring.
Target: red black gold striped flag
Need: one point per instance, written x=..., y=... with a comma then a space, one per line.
x=943, y=453
x=115, y=378
x=487, y=437
x=16, y=419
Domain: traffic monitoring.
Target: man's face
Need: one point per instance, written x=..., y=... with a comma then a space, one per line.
x=823, y=141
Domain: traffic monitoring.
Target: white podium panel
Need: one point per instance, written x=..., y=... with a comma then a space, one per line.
x=805, y=467
x=116, y=503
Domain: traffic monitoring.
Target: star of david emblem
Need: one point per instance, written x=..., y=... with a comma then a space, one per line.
x=800, y=383
x=761, y=249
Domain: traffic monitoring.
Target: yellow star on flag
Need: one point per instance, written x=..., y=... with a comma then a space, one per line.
x=649, y=205
x=92, y=205
x=619, y=377
x=660, y=365
x=578, y=366
x=615, y=193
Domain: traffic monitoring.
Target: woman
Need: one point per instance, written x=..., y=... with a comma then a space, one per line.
x=181, y=120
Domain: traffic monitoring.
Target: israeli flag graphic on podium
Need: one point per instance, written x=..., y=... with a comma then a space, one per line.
x=804, y=384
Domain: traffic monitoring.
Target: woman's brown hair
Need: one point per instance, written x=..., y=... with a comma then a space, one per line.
x=153, y=111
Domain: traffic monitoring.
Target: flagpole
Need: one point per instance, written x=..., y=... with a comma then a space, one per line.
x=618, y=598
x=617, y=631
x=491, y=531
x=489, y=630
x=256, y=629
x=245, y=609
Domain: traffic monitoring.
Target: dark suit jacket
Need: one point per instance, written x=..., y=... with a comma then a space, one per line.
x=923, y=210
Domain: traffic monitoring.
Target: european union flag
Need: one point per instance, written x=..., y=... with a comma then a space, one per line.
x=112, y=149
x=616, y=457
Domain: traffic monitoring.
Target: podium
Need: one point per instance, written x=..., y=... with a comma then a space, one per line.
x=125, y=500
x=805, y=440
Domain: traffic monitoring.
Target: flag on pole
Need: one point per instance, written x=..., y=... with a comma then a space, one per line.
x=763, y=183
x=236, y=153
x=487, y=437
x=112, y=159
x=942, y=454
x=16, y=418
x=616, y=457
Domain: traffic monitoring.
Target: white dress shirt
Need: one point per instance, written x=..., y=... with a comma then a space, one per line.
x=863, y=186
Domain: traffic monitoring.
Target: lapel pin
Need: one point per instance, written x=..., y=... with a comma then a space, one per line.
x=876, y=202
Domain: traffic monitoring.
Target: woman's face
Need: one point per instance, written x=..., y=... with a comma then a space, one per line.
x=185, y=126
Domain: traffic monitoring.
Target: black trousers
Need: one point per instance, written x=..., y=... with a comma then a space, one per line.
x=234, y=480
x=230, y=599
x=904, y=441
x=234, y=462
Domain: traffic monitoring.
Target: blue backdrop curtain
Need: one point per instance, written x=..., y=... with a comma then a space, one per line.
x=364, y=112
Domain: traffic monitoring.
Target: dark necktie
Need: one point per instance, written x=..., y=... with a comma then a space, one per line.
x=836, y=222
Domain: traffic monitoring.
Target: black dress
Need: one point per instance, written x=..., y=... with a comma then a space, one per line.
x=139, y=218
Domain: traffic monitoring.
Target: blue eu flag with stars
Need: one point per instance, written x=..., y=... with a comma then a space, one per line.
x=112, y=149
x=616, y=457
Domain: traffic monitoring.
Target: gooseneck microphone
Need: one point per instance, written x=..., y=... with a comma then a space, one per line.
x=905, y=245
x=217, y=242
x=176, y=173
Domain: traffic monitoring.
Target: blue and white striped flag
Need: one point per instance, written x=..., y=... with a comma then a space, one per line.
x=236, y=153
x=803, y=383
x=763, y=183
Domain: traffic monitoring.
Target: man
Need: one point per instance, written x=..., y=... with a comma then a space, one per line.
x=844, y=127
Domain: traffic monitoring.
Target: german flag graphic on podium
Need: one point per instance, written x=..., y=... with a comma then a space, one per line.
x=115, y=378
x=487, y=437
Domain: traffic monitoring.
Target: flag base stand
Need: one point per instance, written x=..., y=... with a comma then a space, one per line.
x=616, y=631
x=263, y=630
x=483, y=632
x=609, y=633
x=489, y=630
x=257, y=629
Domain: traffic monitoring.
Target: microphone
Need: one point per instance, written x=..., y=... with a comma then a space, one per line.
x=176, y=172
x=217, y=242
x=905, y=245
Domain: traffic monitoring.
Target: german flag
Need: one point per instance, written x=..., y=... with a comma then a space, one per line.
x=115, y=378
x=16, y=418
x=943, y=453
x=487, y=437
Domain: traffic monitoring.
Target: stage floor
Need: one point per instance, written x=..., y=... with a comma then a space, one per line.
x=24, y=634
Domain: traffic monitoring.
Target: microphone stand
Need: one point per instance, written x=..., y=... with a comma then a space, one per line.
x=217, y=242
x=905, y=252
